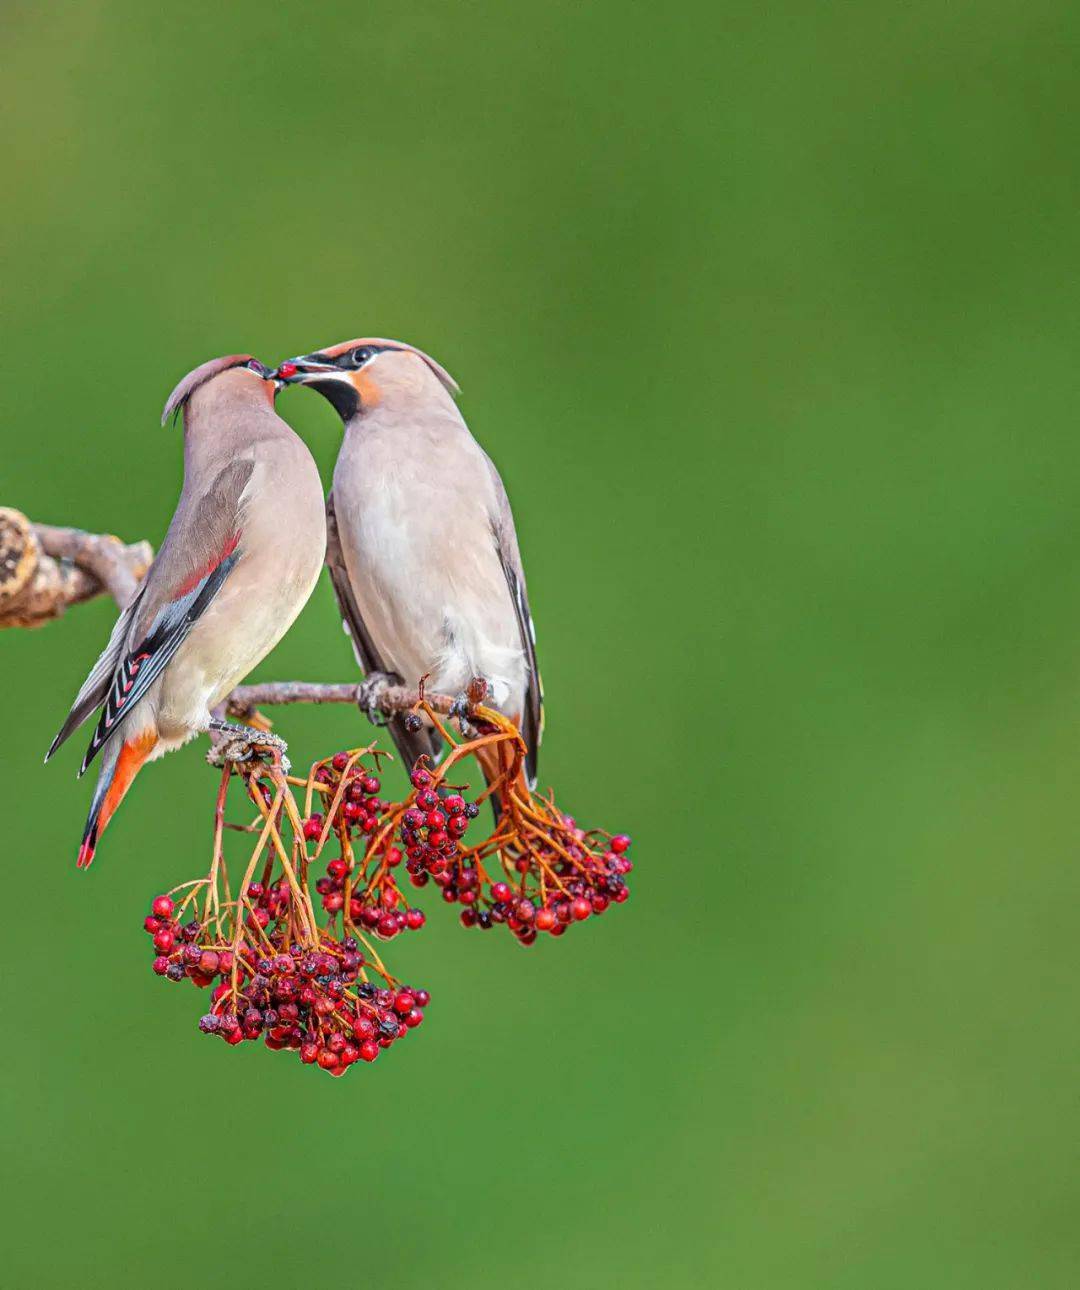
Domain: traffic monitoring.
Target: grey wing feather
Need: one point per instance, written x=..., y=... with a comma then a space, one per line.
x=532, y=719
x=142, y=664
x=410, y=744
x=96, y=686
x=199, y=530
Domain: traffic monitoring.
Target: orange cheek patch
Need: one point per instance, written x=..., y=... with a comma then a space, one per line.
x=370, y=395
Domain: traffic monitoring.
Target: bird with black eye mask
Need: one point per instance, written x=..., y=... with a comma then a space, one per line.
x=422, y=547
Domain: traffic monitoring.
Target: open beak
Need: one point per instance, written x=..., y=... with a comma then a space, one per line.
x=306, y=369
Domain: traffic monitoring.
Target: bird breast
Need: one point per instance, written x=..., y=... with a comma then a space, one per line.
x=418, y=543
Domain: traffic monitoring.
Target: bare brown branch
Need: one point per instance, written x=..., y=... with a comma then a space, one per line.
x=44, y=569
x=397, y=698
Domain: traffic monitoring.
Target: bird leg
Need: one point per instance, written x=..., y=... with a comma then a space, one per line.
x=241, y=743
x=370, y=692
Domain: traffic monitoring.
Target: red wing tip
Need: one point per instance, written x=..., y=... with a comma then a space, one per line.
x=85, y=856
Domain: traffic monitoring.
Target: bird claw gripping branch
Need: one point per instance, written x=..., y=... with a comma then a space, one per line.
x=316, y=984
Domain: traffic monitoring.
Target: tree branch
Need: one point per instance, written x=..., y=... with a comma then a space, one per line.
x=393, y=699
x=43, y=569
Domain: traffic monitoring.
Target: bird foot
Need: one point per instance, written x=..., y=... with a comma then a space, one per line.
x=242, y=743
x=369, y=695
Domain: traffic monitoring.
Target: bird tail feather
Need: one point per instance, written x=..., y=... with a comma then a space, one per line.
x=120, y=764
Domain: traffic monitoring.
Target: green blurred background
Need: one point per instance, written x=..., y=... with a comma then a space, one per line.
x=769, y=315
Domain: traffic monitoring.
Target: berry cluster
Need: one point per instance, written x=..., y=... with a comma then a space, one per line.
x=432, y=826
x=316, y=1002
x=379, y=907
x=354, y=791
x=552, y=890
x=319, y=987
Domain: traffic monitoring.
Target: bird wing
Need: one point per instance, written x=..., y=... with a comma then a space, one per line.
x=141, y=665
x=198, y=553
x=532, y=719
x=96, y=686
x=411, y=744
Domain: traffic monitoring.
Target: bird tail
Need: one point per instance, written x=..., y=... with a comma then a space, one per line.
x=121, y=762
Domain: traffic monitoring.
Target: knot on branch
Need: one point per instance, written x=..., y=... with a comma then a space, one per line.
x=43, y=569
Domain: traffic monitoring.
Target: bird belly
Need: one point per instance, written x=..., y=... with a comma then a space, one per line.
x=431, y=588
x=254, y=609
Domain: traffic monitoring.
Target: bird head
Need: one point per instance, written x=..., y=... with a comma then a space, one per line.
x=248, y=375
x=358, y=375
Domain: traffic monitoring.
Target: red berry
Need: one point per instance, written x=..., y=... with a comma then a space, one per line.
x=404, y=1002
x=161, y=965
x=414, y=919
x=580, y=908
x=545, y=920
x=369, y=1050
x=422, y=998
x=370, y=785
x=313, y=827
x=340, y=761
x=162, y=907
x=164, y=940
x=327, y=1059
x=454, y=804
x=420, y=777
x=414, y=1018
x=620, y=843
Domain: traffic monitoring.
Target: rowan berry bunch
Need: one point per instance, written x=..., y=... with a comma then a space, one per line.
x=315, y=983
x=538, y=871
x=433, y=825
x=311, y=1001
x=274, y=972
x=549, y=891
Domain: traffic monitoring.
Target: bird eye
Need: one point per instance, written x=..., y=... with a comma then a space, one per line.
x=361, y=355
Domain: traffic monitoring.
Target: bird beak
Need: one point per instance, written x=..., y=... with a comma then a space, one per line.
x=307, y=369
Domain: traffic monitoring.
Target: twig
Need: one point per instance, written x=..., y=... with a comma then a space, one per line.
x=243, y=701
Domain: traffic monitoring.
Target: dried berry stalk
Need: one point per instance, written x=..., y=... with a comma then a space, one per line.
x=323, y=988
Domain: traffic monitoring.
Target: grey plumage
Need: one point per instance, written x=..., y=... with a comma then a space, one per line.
x=426, y=561
x=240, y=558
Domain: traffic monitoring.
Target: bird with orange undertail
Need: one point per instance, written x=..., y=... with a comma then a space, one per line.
x=422, y=549
x=241, y=557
